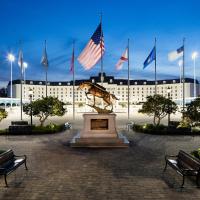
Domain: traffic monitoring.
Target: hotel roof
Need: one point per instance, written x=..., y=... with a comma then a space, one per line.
x=106, y=79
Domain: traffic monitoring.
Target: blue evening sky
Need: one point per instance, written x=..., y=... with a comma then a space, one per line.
x=62, y=21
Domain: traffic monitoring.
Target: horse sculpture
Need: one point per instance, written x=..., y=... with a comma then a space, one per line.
x=98, y=91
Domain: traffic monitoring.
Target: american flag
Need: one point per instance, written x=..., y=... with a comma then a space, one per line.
x=123, y=59
x=93, y=50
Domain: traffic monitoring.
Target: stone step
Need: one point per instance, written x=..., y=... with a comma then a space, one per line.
x=99, y=142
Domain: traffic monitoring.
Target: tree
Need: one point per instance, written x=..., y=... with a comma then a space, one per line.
x=45, y=107
x=193, y=110
x=158, y=107
x=3, y=114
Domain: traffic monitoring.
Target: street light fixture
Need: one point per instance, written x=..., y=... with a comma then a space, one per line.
x=11, y=59
x=194, y=56
x=31, y=97
x=168, y=94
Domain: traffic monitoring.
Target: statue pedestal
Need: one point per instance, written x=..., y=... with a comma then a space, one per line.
x=99, y=131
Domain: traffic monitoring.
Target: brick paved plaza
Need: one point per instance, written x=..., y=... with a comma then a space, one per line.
x=57, y=171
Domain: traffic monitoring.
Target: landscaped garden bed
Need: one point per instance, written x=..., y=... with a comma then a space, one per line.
x=165, y=130
x=50, y=128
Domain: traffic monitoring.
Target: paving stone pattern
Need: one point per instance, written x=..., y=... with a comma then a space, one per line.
x=59, y=172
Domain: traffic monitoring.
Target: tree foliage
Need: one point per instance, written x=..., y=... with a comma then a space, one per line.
x=45, y=107
x=158, y=107
x=3, y=114
x=193, y=110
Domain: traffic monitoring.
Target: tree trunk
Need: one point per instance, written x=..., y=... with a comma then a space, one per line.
x=154, y=120
x=158, y=122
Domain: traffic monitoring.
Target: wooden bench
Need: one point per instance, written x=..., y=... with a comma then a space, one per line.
x=9, y=162
x=184, y=164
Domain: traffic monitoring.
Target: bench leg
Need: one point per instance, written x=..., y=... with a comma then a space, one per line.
x=5, y=180
x=197, y=181
x=183, y=182
x=165, y=167
x=25, y=165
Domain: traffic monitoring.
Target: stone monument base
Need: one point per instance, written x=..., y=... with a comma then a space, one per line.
x=99, y=131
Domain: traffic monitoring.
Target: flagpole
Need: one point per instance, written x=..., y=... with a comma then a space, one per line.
x=101, y=50
x=46, y=69
x=21, y=103
x=73, y=82
x=155, y=69
x=21, y=76
x=183, y=77
x=128, y=83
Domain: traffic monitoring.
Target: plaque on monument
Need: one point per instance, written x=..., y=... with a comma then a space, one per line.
x=99, y=124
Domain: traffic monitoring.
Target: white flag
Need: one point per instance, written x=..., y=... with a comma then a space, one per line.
x=123, y=59
x=44, y=60
x=20, y=59
x=174, y=55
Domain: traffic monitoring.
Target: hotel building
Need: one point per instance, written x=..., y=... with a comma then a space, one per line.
x=139, y=89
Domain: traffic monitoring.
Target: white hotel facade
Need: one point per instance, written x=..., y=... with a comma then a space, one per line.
x=139, y=89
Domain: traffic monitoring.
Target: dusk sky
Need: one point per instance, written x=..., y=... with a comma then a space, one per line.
x=62, y=21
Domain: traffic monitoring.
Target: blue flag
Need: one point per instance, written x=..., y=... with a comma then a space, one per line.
x=150, y=58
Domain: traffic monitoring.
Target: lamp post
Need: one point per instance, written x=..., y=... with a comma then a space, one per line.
x=25, y=65
x=194, y=56
x=168, y=94
x=11, y=59
x=30, y=96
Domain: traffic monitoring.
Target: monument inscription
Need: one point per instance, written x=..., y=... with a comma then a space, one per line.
x=99, y=124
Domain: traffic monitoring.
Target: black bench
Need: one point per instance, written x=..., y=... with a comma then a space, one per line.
x=184, y=164
x=10, y=162
x=19, y=127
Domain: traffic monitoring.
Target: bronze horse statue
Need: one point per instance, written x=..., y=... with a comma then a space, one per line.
x=98, y=91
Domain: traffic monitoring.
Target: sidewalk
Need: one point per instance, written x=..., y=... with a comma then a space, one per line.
x=58, y=172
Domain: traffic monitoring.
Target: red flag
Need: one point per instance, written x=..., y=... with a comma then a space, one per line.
x=123, y=59
x=72, y=62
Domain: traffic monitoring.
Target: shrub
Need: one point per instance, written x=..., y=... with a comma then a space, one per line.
x=50, y=128
x=150, y=128
x=3, y=114
x=196, y=153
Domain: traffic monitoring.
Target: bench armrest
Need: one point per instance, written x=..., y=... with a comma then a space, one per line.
x=189, y=170
x=170, y=156
x=18, y=156
x=2, y=168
